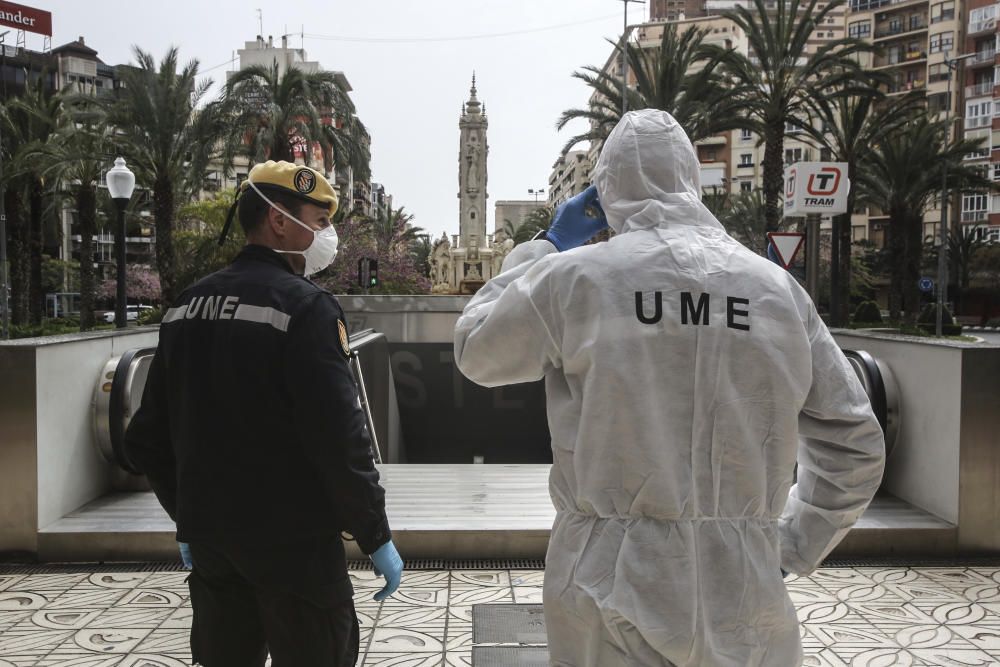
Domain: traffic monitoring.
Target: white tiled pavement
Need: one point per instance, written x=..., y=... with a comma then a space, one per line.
x=851, y=617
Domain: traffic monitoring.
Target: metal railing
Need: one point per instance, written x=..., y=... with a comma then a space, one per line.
x=982, y=26
x=985, y=56
x=900, y=30
x=975, y=216
x=980, y=90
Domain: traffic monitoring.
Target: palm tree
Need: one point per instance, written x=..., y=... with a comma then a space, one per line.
x=28, y=121
x=531, y=224
x=421, y=249
x=393, y=231
x=167, y=140
x=780, y=76
x=679, y=77
x=75, y=157
x=274, y=112
x=902, y=175
x=745, y=219
x=349, y=147
x=847, y=126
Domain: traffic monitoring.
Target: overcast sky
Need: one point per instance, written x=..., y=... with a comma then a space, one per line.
x=408, y=93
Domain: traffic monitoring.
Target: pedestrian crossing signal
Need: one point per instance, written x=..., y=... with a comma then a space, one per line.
x=367, y=273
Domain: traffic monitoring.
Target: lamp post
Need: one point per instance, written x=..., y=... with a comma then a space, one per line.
x=536, y=192
x=624, y=50
x=121, y=182
x=942, y=278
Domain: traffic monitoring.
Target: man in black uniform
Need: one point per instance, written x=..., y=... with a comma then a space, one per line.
x=253, y=439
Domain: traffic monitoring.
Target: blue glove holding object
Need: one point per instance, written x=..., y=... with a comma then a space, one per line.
x=186, y=555
x=388, y=563
x=577, y=221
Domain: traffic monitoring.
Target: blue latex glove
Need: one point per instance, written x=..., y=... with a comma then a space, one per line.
x=784, y=575
x=389, y=564
x=186, y=555
x=577, y=221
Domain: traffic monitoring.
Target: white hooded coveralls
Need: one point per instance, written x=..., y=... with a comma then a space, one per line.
x=677, y=417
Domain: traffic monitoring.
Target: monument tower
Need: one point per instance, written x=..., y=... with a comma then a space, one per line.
x=472, y=153
x=463, y=264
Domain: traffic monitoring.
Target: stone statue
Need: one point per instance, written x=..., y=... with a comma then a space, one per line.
x=473, y=174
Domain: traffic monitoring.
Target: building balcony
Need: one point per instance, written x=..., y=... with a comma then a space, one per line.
x=894, y=60
x=979, y=90
x=899, y=89
x=977, y=122
x=985, y=57
x=975, y=216
x=988, y=25
x=900, y=31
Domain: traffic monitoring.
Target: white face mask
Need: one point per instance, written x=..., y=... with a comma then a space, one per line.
x=323, y=249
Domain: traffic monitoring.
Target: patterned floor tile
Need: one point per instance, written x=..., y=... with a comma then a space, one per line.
x=463, y=596
x=165, y=641
x=8, y=581
x=851, y=617
x=458, y=658
x=527, y=577
x=384, y=659
x=397, y=640
x=22, y=601
x=490, y=578
x=527, y=594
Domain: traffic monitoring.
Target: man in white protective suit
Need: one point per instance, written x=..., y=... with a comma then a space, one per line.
x=685, y=376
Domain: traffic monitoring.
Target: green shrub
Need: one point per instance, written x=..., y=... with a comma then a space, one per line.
x=868, y=312
x=928, y=315
x=154, y=316
x=993, y=322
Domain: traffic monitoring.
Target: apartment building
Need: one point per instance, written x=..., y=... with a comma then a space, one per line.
x=262, y=52
x=570, y=175
x=979, y=75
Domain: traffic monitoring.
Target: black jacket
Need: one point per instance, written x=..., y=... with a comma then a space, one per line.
x=250, y=425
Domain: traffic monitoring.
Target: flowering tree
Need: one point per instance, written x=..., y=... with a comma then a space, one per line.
x=142, y=284
x=386, y=239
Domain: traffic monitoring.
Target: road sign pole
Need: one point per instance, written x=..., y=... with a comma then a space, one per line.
x=812, y=256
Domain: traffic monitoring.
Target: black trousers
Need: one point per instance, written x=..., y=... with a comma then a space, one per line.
x=243, y=609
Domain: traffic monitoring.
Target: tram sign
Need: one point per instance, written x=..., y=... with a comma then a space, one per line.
x=816, y=188
x=24, y=18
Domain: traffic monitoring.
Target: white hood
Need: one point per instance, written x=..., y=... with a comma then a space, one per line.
x=648, y=174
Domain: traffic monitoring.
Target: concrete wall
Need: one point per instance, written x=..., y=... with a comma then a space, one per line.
x=947, y=459
x=930, y=381
x=49, y=464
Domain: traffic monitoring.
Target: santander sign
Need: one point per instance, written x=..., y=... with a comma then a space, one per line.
x=24, y=18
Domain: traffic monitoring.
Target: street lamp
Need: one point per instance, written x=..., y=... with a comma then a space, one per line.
x=121, y=182
x=537, y=193
x=942, y=277
x=624, y=50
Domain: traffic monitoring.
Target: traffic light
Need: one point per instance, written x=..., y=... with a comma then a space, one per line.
x=367, y=273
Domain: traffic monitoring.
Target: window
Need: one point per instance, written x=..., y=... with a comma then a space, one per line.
x=859, y=29
x=937, y=103
x=943, y=41
x=745, y=135
x=943, y=11
x=938, y=72
x=895, y=26
x=793, y=155
x=975, y=206
x=746, y=159
x=979, y=114
x=982, y=18
x=746, y=186
x=792, y=128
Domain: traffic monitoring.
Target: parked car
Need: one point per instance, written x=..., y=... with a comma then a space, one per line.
x=131, y=313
